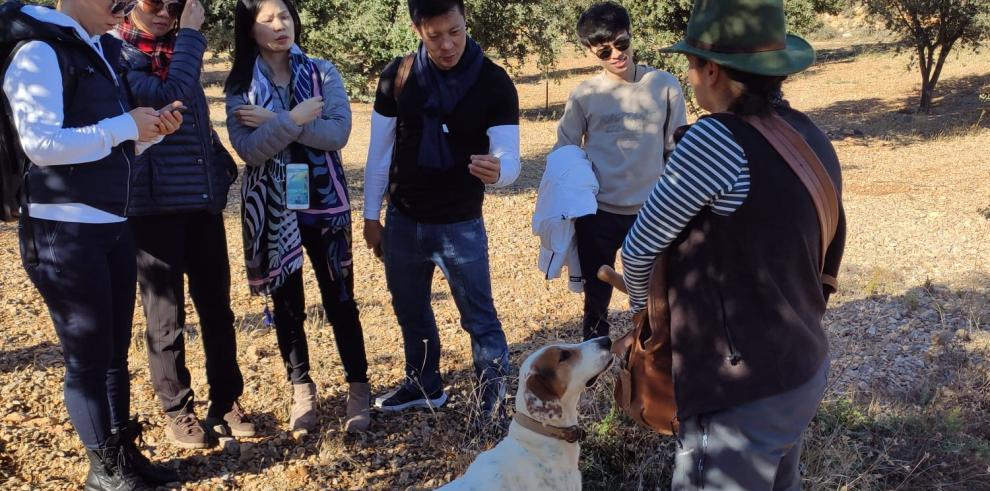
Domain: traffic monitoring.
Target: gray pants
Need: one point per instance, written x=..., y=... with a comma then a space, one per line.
x=752, y=447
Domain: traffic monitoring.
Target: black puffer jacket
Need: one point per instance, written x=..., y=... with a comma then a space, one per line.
x=189, y=170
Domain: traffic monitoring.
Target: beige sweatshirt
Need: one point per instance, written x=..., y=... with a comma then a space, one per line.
x=625, y=128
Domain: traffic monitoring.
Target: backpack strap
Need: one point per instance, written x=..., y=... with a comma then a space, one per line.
x=809, y=169
x=405, y=67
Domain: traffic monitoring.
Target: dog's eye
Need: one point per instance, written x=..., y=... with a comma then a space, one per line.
x=564, y=355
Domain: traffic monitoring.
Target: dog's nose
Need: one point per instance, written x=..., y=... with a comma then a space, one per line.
x=605, y=342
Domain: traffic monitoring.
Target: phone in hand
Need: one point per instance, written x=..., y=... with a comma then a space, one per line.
x=297, y=186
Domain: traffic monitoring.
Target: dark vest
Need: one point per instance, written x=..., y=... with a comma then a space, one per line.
x=187, y=171
x=91, y=96
x=745, y=293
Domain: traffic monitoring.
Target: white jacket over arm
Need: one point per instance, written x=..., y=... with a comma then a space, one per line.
x=567, y=191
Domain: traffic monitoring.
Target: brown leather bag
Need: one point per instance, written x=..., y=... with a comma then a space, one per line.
x=645, y=387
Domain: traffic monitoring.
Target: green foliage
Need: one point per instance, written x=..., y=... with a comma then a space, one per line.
x=362, y=36
x=932, y=28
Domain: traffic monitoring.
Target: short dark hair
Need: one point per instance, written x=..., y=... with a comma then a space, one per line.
x=425, y=9
x=246, y=48
x=761, y=93
x=601, y=23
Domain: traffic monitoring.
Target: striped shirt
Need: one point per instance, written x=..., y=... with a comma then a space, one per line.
x=707, y=168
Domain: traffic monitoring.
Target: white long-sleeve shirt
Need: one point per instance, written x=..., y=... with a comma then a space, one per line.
x=503, y=144
x=33, y=86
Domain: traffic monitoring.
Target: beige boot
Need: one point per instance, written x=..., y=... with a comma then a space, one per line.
x=303, y=417
x=358, y=408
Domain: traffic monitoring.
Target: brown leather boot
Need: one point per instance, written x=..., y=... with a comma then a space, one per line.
x=303, y=416
x=185, y=431
x=234, y=423
x=358, y=407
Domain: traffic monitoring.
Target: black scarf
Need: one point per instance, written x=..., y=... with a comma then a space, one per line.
x=445, y=90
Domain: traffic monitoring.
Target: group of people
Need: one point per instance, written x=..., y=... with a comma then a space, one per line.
x=128, y=182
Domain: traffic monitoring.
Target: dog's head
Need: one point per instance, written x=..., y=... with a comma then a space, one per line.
x=553, y=377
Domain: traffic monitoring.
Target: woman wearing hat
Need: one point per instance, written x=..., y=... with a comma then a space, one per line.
x=748, y=274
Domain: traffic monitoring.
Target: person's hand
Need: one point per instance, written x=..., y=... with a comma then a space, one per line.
x=253, y=116
x=610, y=276
x=193, y=16
x=485, y=167
x=170, y=118
x=307, y=111
x=147, y=120
x=373, y=231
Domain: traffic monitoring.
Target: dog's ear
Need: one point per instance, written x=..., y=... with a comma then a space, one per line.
x=544, y=387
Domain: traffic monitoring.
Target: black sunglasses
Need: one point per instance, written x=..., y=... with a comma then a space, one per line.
x=122, y=7
x=173, y=9
x=620, y=44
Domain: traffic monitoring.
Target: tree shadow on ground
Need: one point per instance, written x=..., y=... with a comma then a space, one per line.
x=562, y=73
x=848, y=54
x=957, y=109
x=38, y=357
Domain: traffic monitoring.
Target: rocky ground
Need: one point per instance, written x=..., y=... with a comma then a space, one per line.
x=912, y=309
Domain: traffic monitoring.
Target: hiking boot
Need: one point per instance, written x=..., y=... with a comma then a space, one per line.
x=406, y=397
x=151, y=472
x=303, y=417
x=111, y=468
x=185, y=431
x=358, y=408
x=234, y=423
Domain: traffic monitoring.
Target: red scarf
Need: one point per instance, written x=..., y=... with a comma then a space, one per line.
x=159, y=49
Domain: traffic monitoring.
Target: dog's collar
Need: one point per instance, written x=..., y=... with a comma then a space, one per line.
x=570, y=434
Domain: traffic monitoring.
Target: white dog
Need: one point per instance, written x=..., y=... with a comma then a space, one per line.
x=541, y=450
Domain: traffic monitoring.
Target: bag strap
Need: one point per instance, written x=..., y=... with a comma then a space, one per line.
x=405, y=66
x=809, y=169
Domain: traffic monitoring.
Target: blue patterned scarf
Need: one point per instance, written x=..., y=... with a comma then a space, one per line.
x=272, y=243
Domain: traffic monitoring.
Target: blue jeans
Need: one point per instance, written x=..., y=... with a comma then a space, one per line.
x=412, y=251
x=86, y=274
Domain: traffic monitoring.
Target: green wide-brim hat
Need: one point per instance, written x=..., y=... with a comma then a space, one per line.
x=747, y=35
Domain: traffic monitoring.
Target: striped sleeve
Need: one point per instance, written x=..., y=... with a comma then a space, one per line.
x=707, y=168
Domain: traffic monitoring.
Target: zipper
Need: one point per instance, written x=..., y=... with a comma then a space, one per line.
x=127, y=187
x=704, y=454
x=206, y=163
x=734, y=357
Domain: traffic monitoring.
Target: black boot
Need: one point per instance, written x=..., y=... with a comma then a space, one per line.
x=111, y=469
x=151, y=472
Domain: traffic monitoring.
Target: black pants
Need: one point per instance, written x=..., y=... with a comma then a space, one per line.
x=193, y=245
x=290, y=316
x=85, y=273
x=599, y=237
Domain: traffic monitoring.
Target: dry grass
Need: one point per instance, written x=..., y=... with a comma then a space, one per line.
x=917, y=249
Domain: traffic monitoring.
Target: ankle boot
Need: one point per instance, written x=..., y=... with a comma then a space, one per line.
x=151, y=472
x=303, y=416
x=358, y=407
x=111, y=469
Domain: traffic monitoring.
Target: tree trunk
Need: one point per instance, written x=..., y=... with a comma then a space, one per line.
x=925, y=106
x=925, y=59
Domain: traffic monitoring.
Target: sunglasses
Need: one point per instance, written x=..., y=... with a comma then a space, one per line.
x=173, y=9
x=619, y=44
x=122, y=7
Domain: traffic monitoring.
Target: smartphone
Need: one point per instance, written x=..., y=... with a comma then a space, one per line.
x=297, y=186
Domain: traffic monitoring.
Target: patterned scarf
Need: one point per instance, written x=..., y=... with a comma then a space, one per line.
x=159, y=49
x=272, y=244
x=445, y=90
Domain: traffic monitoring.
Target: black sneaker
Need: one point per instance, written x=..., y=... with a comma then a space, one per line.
x=406, y=397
